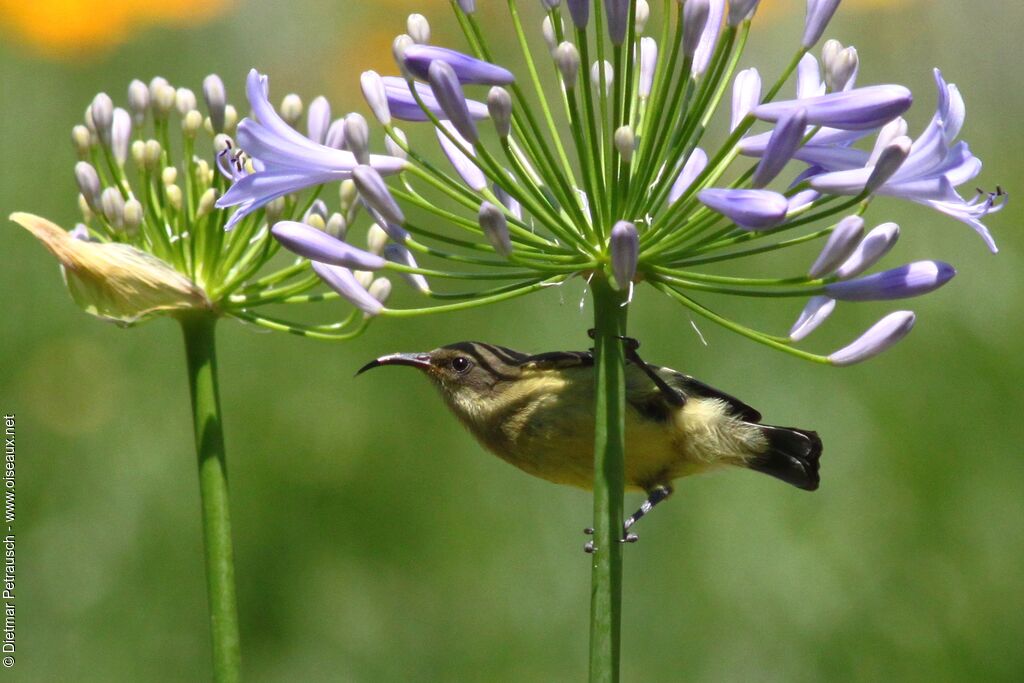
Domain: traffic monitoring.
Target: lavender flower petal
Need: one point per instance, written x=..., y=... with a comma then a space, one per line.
x=342, y=281
x=913, y=279
x=817, y=310
x=468, y=69
x=375, y=193
x=870, y=251
x=452, y=99
x=882, y=335
x=464, y=165
x=495, y=228
x=856, y=109
x=317, y=245
x=801, y=200
x=746, y=93
x=617, y=13
x=741, y=10
x=749, y=209
x=709, y=37
x=318, y=119
x=694, y=166
x=648, y=65
x=376, y=96
x=786, y=139
x=396, y=253
x=580, y=12
x=840, y=245
x=819, y=13
x=403, y=105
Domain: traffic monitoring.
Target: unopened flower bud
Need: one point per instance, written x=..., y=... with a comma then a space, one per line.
x=840, y=64
x=291, y=109
x=153, y=154
x=605, y=68
x=88, y=184
x=643, y=15
x=336, y=226
x=648, y=65
x=163, y=98
x=882, y=335
x=624, y=249
x=380, y=289
x=357, y=137
x=207, y=203
x=138, y=152
x=495, y=228
x=216, y=101
x=625, y=143
x=83, y=206
x=138, y=101
x=889, y=161
x=376, y=239
x=363, y=277
x=617, y=15
x=185, y=101
x=102, y=113
x=819, y=13
x=376, y=96
x=817, y=310
x=191, y=123
x=112, y=204
x=347, y=195
x=452, y=99
x=169, y=175
x=467, y=6
x=120, y=135
x=695, y=19
x=567, y=58
x=547, y=30
x=579, y=10
x=81, y=138
x=741, y=10
x=394, y=148
x=396, y=253
x=499, y=106
x=375, y=193
x=174, y=196
x=230, y=119
x=871, y=249
x=418, y=29
x=840, y=245
x=401, y=43
x=133, y=214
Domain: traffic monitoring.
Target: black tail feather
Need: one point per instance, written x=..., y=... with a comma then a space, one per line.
x=792, y=456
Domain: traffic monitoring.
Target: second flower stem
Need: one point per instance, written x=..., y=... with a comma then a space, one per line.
x=200, y=351
x=609, y=481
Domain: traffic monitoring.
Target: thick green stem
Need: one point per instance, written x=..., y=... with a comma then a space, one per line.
x=609, y=481
x=213, y=488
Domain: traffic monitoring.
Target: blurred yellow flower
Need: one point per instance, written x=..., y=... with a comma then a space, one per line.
x=74, y=27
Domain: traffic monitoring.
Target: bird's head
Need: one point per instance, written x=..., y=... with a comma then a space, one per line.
x=467, y=373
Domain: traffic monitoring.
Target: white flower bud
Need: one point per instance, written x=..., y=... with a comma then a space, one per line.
x=112, y=204
x=499, y=105
x=357, y=137
x=291, y=109
x=625, y=143
x=133, y=214
x=609, y=75
x=81, y=138
x=101, y=111
x=138, y=101
x=206, y=203
x=336, y=226
x=376, y=239
x=394, y=149
x=174, y=197
x=169, y=175
x=567, y=57
x=418, y=28
x=380, y=289
x=191, y=123
x=185, y=101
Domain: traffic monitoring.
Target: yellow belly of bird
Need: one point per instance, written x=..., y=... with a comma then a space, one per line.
x=549, y=432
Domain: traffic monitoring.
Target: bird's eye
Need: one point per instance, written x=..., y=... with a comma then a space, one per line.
x=461, y=364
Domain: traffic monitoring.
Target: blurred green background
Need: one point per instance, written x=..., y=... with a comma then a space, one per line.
x=375, y=541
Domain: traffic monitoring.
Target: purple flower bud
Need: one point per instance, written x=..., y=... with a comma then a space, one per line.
x=120, y=135
x=88, y=184
x=648, y=65
x=404, y=106
x=741, y=10
x=375, y=193
x=138, y=102
x=709, y=37
x=499, y=105
x=580, y=11
x=858, y=109
x=889, y=161
x=817, y=310
x=318, y=119
x=376, y=96
x=693, y=167
x=216, y=101
x=464, y=165
x=913, y=279
x=467, y=6
x=695, y=18
x=783, y=144
x=872, y=248
x=808, y=78
x=102, y=112
x=495, y=227
x=567, y=59
x=396, y=253
x=617, y=13
x=624, y=248
x=819, y=13
x=342, y=281
x=316, y=245
x=335, y=138
x=746, y=94
x=749, y=209
x=882, y=335
x=357, y=137
x=468, y=69
x=509, y=202
x=448, y=91
x=801, y=200
x=840, y=245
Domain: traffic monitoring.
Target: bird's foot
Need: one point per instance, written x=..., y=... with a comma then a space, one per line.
x=590, y=548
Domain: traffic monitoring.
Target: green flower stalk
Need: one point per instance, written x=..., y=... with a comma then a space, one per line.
x=151, y=243
x=605, y=172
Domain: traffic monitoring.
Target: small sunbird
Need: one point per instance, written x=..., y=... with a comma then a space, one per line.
x=537, y=413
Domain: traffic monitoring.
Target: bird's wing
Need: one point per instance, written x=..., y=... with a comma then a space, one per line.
x=557, y=360
x=694, y=387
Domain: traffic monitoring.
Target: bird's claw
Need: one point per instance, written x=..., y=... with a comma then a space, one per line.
x=631, y=343
x=589, y=531
x=630, y=538
x=589, y=548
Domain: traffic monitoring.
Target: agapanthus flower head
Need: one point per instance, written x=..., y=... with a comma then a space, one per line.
x=619, y=179
x=152, y=241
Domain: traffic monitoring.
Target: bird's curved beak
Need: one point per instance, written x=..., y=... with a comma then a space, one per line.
x=416, y=360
